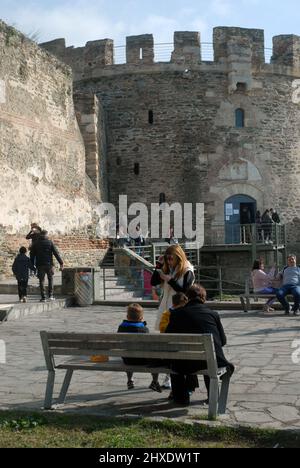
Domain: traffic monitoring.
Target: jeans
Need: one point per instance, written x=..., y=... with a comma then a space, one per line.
x=269, y=290
x=284, y=291
x=44, y=270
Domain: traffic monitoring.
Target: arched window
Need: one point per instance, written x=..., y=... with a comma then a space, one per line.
x=162, y=198
x=137, y=169
x=240, y=118
x=242, y=87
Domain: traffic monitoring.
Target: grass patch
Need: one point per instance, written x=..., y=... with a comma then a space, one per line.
x=66, y=430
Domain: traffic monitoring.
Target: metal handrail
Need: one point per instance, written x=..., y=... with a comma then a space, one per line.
x=163, y=52
x=222, y=285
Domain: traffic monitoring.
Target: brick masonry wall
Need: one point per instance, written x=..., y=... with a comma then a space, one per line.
x=75, y=250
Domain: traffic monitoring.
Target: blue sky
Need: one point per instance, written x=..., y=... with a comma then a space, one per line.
x=80, y=21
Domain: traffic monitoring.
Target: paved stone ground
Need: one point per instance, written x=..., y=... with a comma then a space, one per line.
x=265, y=390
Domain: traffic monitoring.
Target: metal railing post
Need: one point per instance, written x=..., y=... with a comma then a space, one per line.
x=220, y=283
x=253, y=244
x=153, y=254
x=104, y=285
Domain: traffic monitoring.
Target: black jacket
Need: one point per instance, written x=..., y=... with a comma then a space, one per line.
x=133, y=327
x=188, y=280
x=275, y=218
x=21, y=266
x=34, y=235
x=197, y=318
x=43, y=250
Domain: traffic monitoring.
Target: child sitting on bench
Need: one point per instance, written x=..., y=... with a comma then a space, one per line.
x=135, y=324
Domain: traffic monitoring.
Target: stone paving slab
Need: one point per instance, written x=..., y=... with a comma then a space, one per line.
x=265, y=389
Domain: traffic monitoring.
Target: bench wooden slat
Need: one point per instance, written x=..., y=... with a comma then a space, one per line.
x=116, y=337
x=134, y=346
x=159, y=354
x=118, y=365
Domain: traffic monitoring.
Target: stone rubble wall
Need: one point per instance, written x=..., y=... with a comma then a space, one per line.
x=42, y=153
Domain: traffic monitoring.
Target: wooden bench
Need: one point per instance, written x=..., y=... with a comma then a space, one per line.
x=247, y=296
x=80, y=347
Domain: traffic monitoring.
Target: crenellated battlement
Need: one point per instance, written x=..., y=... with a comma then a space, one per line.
x=239, y=42
x=286, y=50
x=239, y=49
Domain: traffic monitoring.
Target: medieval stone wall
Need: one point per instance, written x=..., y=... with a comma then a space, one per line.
x=190, y=148
x=42, y=154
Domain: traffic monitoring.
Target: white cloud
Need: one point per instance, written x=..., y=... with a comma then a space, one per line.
x=80, y=21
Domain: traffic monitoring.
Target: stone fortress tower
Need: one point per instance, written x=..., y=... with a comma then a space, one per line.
x=224, y=132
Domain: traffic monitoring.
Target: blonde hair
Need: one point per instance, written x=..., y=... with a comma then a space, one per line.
x=180, y=261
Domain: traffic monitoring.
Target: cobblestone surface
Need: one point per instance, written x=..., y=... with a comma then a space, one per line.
x=265, y=389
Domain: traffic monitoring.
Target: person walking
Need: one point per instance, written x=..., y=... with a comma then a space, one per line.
x=42, y=252
x=21, y=267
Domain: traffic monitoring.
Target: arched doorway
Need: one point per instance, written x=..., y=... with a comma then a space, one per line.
x=238, y=209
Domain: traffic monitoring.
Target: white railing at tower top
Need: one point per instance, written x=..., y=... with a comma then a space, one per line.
x=163, y=52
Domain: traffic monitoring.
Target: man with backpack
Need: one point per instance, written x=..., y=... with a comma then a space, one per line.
x=290, y=276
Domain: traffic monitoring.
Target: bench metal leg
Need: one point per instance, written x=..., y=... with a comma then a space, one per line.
x=224, y=393
x=65, y=386
x=248, y=304
x=213, y=399
x=49, y=390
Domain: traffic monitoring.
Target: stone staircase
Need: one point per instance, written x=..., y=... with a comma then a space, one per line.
x=126, y=285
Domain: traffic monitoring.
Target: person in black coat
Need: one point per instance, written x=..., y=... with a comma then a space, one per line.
x=41, y=254
x=195, y=318
x=34, y=233
x=21, y=266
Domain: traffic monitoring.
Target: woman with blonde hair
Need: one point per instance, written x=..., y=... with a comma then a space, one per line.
x=175, y=274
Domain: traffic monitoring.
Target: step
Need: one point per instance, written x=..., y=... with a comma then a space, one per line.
x=12, y=312
x=32, y=289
